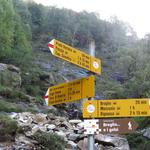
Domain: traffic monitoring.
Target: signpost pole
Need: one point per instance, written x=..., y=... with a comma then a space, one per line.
x=90, y=142
x=91, y=136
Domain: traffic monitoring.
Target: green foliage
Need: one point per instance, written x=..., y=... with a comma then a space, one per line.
x=50, y=140
x=31, y=82
x=137, y=142
x=15, y=34
x=6, y=28
x=14, y=95
x=134, y=64
x=8, y=107
x=9, y=126
x=32, y=90
x=39, y=100
x=143, y=122
x=109, y=89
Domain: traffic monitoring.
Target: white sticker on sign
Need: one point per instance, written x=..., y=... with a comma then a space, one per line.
x=91, y=126
x=95, y=65
x=90, y=108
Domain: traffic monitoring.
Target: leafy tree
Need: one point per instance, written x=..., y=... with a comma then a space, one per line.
x=15, y=34
x=6, y=29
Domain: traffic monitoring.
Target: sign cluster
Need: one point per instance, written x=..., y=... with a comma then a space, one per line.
x=84, y=88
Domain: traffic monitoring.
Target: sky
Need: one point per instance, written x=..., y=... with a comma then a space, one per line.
x=134, y=12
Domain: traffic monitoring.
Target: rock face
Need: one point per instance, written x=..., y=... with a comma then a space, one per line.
x=70, y=130
x=10, y=75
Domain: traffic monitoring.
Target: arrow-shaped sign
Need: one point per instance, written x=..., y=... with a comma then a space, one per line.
x=74, y=56
x=118, y=126
x=109, y=126
x=70, y=91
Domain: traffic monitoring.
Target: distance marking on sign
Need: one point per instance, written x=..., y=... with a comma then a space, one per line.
x=71, y=91
x=117, y=108
x=74, y=56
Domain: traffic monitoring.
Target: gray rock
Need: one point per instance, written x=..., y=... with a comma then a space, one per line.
x=63, y=129
x=57, y=122
x=61, y=119
x=82, y=144
x=40, y=118
x=71, y=145
x=3, y=67
x=60, y=133
x=50, y=126
x=114, y=141
x=51, y=116
x=22, y=142
x=73, y=136
x=66, y=125
x=23, y=139
x=32, y=131
x=24, y=119
x=75, y=121
x=80, y=125
x=13, y=115
x=146, y=133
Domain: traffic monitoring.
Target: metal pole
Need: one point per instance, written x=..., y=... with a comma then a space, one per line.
x=92, y=48
x=91, y=141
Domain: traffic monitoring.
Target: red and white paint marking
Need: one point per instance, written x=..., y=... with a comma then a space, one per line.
x=46, y=97
x=51, y=46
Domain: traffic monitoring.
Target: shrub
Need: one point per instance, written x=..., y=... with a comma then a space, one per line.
x=8, y=128
x=8, y=107
x=143, y=122
x=10, y=93
x=138, y=142
x=32, y=90
x=50, y=140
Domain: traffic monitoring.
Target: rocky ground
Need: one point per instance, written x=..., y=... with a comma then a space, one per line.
x=71, y=131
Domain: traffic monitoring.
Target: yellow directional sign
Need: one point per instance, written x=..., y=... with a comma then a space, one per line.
x=116, y=108
x=71, y=91
x=75, y=56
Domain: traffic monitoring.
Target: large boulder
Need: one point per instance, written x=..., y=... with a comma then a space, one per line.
x=10, y=76
x=112, y=142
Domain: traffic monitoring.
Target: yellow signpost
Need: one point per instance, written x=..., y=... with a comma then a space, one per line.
x=71, y=91
x=116, y=108
x=75, y=56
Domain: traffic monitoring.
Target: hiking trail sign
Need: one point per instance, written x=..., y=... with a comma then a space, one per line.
x=75, y=56
x=117, y=126
x=116, y=108
x=71, y=91
x=110, y=126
